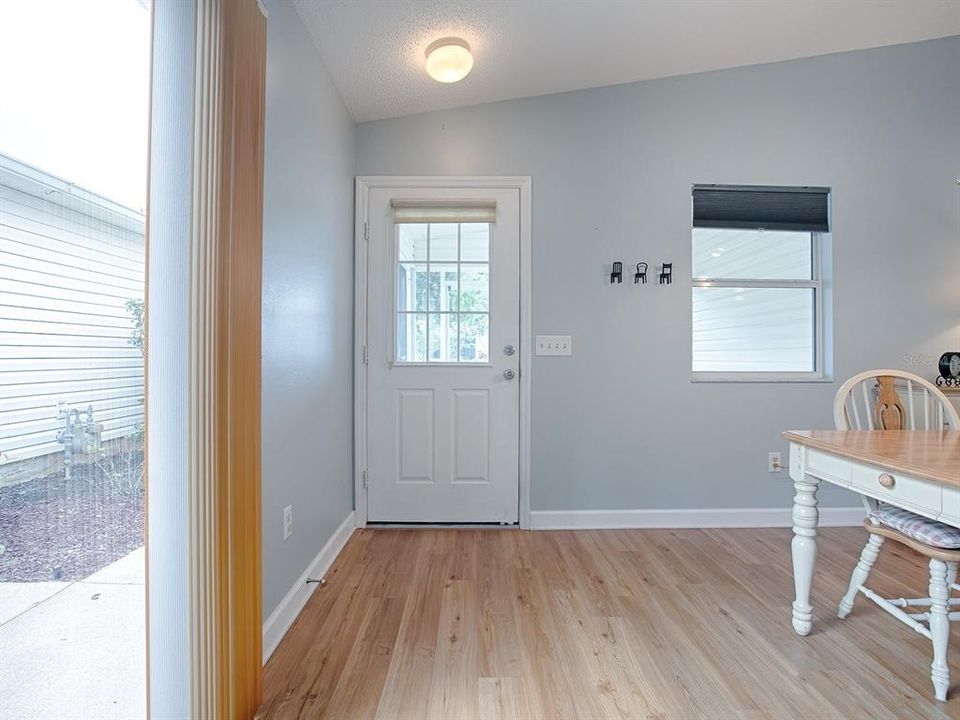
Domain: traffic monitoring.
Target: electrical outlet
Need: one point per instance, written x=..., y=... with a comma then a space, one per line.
x=773, y=462
x=287, y=521
x=554, y=345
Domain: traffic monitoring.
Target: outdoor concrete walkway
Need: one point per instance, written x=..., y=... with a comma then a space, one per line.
x=75, y=651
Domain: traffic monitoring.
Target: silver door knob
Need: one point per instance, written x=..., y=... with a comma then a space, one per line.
x=509, y=349
x=509, y=374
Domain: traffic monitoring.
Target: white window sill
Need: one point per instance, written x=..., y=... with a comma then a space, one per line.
x=734, y=377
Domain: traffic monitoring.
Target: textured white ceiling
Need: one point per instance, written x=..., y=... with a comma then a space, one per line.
x=373, y=49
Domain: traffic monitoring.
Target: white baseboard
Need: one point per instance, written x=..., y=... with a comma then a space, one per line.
x=686, y=518
x=296, y=598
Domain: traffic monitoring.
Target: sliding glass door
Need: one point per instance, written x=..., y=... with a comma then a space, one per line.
x=74, y=83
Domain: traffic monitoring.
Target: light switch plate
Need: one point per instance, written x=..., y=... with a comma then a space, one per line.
x=554, y=345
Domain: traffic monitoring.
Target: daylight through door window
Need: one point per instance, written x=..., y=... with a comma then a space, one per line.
x=443, y=293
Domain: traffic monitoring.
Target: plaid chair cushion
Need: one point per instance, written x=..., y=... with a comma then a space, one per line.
x=929, y=532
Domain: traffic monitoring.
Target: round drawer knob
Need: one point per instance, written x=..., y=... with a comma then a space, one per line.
x=886, y=479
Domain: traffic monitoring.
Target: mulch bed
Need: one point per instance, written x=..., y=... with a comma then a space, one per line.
x=52, y=528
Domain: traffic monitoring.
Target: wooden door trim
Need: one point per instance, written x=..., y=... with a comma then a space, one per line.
x=364, y=184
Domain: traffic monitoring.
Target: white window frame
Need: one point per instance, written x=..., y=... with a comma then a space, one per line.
x=819, y=335
x=395, y=260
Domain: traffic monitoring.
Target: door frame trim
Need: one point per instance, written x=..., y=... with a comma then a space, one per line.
x=364, y=184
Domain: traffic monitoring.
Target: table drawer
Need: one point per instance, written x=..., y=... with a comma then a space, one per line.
x=830, y=467
x=901, y=490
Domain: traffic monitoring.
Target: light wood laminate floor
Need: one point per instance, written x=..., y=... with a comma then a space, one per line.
x=477, y=624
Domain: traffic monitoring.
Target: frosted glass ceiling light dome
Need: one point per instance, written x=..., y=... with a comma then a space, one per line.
x=449, y=60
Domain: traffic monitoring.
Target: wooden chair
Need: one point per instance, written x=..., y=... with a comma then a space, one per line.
x=898, y=400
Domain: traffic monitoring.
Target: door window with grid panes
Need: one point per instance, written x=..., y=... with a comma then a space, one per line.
x=442, y=293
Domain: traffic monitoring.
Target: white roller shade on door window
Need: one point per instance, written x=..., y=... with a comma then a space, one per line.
x=444, y=211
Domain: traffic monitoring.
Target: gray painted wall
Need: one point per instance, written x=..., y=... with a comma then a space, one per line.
x=307, y=305
x=619, y=424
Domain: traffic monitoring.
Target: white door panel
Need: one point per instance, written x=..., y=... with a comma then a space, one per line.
x=415, y=431
x=471, y=436
x=443, y=419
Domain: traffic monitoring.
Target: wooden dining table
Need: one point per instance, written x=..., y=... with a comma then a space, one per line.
x=918, y=470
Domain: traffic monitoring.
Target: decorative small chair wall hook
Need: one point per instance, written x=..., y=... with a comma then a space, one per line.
x=641, y=275
x=666, y=273
x=617, y=275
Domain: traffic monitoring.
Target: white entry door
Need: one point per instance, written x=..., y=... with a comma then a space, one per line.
x=443, y=319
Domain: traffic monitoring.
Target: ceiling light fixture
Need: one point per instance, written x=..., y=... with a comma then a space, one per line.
x=449, y=60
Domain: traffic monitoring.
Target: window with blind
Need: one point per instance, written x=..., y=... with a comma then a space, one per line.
x=757, y=285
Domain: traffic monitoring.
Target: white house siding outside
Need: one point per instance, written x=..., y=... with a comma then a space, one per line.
x=70, y=260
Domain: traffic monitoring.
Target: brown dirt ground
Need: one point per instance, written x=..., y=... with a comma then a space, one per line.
x=57, y=529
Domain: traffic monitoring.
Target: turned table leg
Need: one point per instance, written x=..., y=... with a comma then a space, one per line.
x=940, y=574
x=804, y=545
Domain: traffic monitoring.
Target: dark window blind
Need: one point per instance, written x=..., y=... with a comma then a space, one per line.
x=804, y=209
